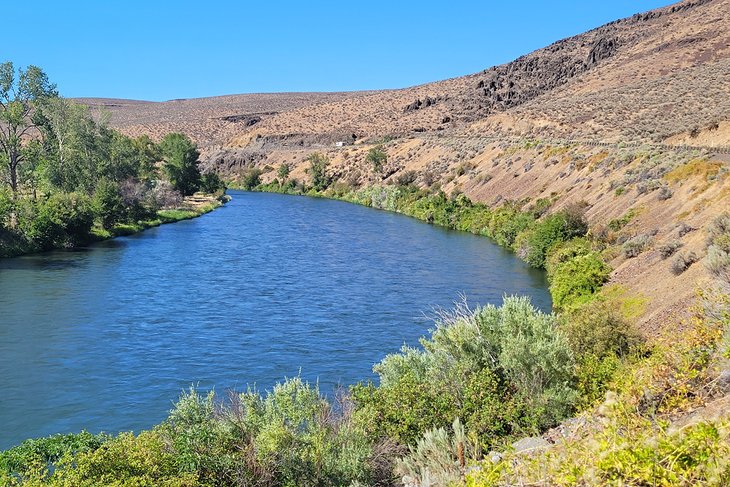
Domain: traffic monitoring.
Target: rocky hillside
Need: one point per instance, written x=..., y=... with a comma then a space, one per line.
x=646, y=77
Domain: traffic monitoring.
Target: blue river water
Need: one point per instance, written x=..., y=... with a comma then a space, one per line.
x=105, y=338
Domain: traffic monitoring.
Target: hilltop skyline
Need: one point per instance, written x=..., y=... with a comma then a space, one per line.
x=152, y=52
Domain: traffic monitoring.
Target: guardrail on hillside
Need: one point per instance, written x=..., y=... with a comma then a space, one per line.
x=596, y=143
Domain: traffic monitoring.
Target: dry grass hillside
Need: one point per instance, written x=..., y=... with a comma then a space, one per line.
x=206, y=120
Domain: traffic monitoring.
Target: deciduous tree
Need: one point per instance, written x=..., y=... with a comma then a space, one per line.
x=180, y=158
x=19, y=97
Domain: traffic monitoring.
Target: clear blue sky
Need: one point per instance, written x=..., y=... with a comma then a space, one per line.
x=159, y=50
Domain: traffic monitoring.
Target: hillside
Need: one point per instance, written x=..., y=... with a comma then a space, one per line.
x=205, y=120
x=646, y=77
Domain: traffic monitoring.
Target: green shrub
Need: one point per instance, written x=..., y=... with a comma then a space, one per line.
x=107, y=203
x=506, y=223
x=599, y=329
x=376, y=157
x=211, y=183
x=251, y=178
x=126, y=460
x=618, y=223
x=403, y=409
x=6, y=206
x=283, y=172
x=600, y=338
x=576, y=280
x=44, y=452
x=318, y=164
x=533, y=244
x=61, y=220
x=562, y=252
x=594, y=377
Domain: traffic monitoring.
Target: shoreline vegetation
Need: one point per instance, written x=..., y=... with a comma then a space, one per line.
x=474, y=403
x=67, y=179
x=185, y=211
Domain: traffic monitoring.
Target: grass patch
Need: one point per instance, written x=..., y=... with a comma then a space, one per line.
x=696, y=168
x=176, y=215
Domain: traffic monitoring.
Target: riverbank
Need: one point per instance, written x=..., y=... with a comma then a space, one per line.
x=191, y=207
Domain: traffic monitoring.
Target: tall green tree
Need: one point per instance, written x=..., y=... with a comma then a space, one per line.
x=318, y=164
x=180, y=162
x=148, y=154
x=72, y=140
x=20, y=95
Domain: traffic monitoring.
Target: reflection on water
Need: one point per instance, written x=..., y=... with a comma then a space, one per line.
x=105, y=338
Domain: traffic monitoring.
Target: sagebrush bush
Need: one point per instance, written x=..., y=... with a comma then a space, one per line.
x=291, y=436
x=670, y=248
x=718, y=263
x=683, y=261
x=718, y=232
x=718, y=249
x=635, y=246
x=406, y=178
x=501, y=369
x=631, y=440
x=438, y=458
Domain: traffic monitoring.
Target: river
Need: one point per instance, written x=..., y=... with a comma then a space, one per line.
x=105, y=338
